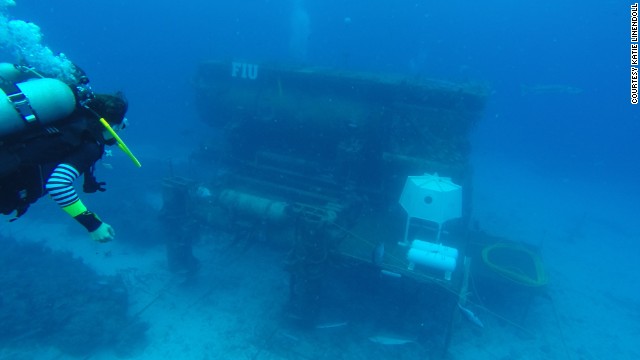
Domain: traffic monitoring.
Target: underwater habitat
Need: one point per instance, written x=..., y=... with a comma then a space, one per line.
x=306, y=179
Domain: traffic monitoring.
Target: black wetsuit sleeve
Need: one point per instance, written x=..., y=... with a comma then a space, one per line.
x=84, y=157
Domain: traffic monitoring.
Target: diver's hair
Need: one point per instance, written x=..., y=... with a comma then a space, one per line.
x=111, y=107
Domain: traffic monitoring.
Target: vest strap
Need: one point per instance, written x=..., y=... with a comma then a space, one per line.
x=19, y=101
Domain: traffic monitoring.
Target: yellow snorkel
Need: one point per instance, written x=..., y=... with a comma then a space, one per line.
x=121, y=143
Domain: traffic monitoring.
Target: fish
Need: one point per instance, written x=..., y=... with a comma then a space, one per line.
x=390, y=273
x=286, y=335
x=331, y=325
x=377, y=255
x=550, y=89
x=471, y=316
x=390, y=340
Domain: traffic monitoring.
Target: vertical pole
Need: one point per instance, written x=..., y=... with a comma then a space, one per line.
x=461, y=299
x=439, y=232
x=464, y=290
x=405, y=241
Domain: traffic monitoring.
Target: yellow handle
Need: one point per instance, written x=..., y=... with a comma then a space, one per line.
x=121, y=143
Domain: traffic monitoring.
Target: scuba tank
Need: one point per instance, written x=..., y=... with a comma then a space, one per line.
x=26, y=101
x=15, y=74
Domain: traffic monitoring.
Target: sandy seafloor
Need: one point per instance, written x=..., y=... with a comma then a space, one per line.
x=234, y=310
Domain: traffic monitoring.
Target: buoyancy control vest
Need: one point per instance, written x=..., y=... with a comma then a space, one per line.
x=30, y=107
x=42, y=120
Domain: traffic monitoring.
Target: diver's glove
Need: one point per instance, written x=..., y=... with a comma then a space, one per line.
x=92, y=185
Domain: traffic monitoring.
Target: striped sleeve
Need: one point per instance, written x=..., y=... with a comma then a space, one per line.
x=60, y=185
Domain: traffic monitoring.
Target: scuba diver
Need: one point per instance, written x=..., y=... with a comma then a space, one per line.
x=51, y=133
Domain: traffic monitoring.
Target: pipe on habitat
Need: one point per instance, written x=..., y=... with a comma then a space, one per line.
x=254, y=206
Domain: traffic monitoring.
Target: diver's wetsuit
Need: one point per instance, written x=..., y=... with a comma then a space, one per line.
x=50, y=163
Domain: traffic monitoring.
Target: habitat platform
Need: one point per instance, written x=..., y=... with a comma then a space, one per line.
x=314, y=161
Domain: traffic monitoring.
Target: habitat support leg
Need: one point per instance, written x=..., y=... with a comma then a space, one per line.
x=405, y=241
x=180, y=228
x=180, y=256
x=460, y=299
x=307, y=266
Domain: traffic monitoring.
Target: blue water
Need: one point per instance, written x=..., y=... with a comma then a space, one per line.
x=150, y=50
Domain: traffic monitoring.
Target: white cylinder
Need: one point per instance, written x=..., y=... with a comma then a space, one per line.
x=263, y=208
x=50, y=99
x=10, y=73
x=432, y=259
x=433, y=247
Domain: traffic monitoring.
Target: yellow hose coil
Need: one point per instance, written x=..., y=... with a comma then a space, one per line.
x=515, y=274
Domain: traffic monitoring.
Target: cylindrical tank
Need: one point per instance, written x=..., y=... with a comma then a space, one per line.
x=432, y=259
x=12, y=74
x=50, y=99
x=433, y=247
x=259, y=207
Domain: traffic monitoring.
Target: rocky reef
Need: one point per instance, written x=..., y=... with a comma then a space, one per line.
x=50, y=298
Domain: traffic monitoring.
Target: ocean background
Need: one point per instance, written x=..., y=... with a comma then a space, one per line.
x=151, y=50
x=555, y=155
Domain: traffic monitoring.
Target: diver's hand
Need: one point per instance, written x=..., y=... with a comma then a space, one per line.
x=104, y=233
